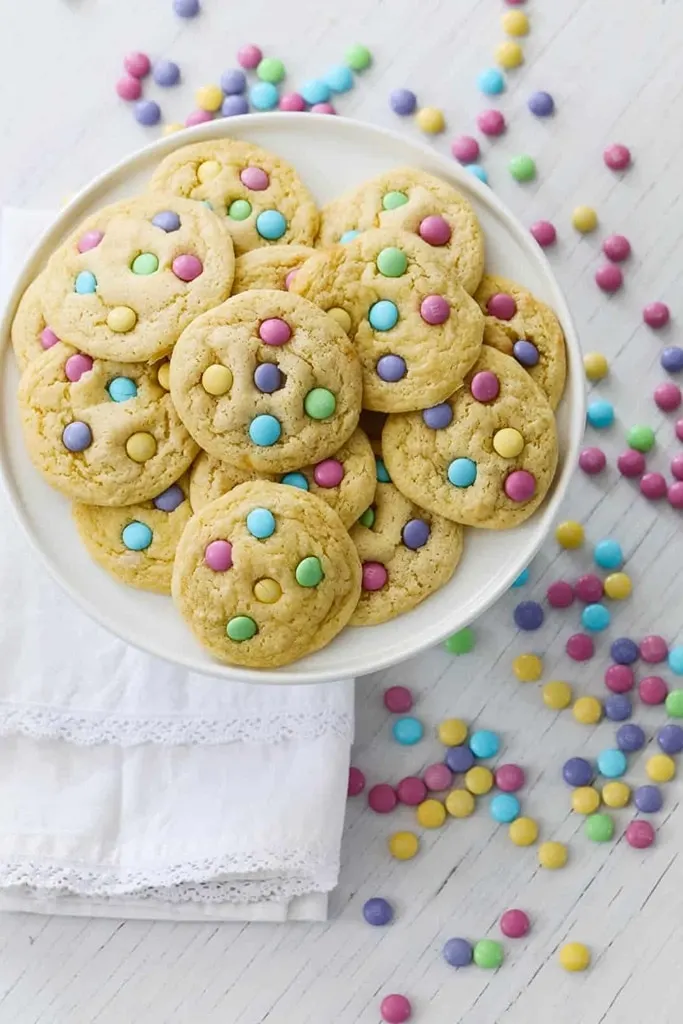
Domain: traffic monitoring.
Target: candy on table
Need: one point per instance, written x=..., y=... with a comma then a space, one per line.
x=560, y=594
x=411, y=791
x=589, y=588
x=488, y=953
x=619, y=678
x=437, y=777
x=580, y=647
x=595, y=366
x=147, y=112
x=382, y=798
x=557, y=695
x=271, y=70
x=528, y=615
x=522, y=167
x=458, y=952
x=377, y=911
x=618, y=707
x=577, y=771
x=653, y=649
x=641, y=437
x=599, y=828
x=461, y=642
x=166, y=73
x=395, y=1009
x=618, y=586
x=574, y=956
x=509, y=55
x=460, y=803
x=670, y=737
x=198, y=117
x=403, y=845
x=612, y=763
x=671, y=359
x=459, y=759
x=430, y=120
x=358, y=57
x=677, y=466
x=587, y=710
x=514, y=923
x=675, y=660
x=648, y=799
x=407, y=731
x=660, y=768
x=431, y=813
x=521, y=579
x=504, y=808
x=609, y=278
x=491, y=81
x=640, y=834
x=477, y=171
x=616, y=248
x=584, y=219
x=515, y=23
x=624, y=650
x=592, y=461
x=479, y=780
x=356, y=781
x=527, y=667
x=233, y=82
x=398, y=699
x=209, y=97
x=509, y=777
x=552, y=855
x=403, y=101
x=186, y=8
x=674, y=702
x=234, y=105
x=452, y=732
x=541, y=104
x=491, y=122
x=249, y=56
x=630, y=738
x=484, y=744
x=544, y=232
x=653, y=486
x=600, y=413
x=617, y=156
x=616, y=794
x=339, y=78
x=652, y=690
x=595, y=617
x=523, y=832
x=667, y=396
x=315, y=90
x=264, y=96
x=675, y=495
x=137, y=64
x=585, y=800
x=128, y=88
x=465, y=149
x=679, y=429
x=656, y=314
x=608, y=554
x=569, y=534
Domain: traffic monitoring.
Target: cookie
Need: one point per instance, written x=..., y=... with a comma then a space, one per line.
x=260, y=198
x=416, y=330
x=406, y=554
x=273, y=267
x=521, y=326
x=407, y=199
x=486, y=457
x=265, y=575
x=101, y=432
x=345, y=482
x=267, y=382
x=135, y=274
x=137, y=543
x=30, y=333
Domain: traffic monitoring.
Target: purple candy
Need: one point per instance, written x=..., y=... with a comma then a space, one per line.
x=648, y=799
x=541, y=104
x=391, y=368
x=528, y=615
x=166, y=73
x=234, y=105
x=186, y=8
x=458, y=952
x=415, y=533
x=147, y=112
x=670, y=739
x=438, y=417
x=577, y=771
x=630, y=737
x=526, y=353
x=170, y=499
x=268, y=378
x=459, y=759
x=434, y=309
x=167, y=220
x=402, y=101
x=485, y=386
x=624, y=651
x=233, y=82
x=618, y=707
x=377, y=911
x=671, y=359
x=77, y=436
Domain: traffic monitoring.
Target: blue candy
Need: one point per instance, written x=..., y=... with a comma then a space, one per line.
x=315, y=91
x=383, y=315
x=504, y=808
x=596, y=617
x=85, y=283
x=477, y=171
x=612, y=764
x=600, y=414
x=484, y=744
x=462, y=472
x=522, y=578
x=381, y=472
x=491, y=82
x=675, y=660
x=608, y=554
x=339, y=78
x=295, y=480
x=271, y=225
x=264, y=96
x=261, y=523
x=121, y=389
x=349, y=236
x=136, y=536
x=407, y=731
x=264, y=430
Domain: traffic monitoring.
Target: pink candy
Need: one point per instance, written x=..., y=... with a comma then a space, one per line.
x=592, y=461
x=675, y=495
x=187, y=267
x=520, y=485
x=198, y=117
x=544, y=232
x=679, y=429
x=619, y=678
x=435, y=230
x=677, y=466
x=510, y=777
x=640, y=834
x=395, y=1009
x=514, y=924
x=617, y=157
x=589, y=588
x=328, y=473
x=560, y=594
x=48, y=338
x=653, y=486
x=667, y=396
x=437, y=777
x=289, y=278
x=255, y=178
x=411, y=791
x=137, y=64
x=502, y=306
x=90, y=240
x=434, y=309
x=491, y=122
x=274, y=331
x=653, y=649
x=249, y=56
x=76, y=365
x=323, y=108
x=631, y=463
x=580, y=647
x=465, y=149
x=292, y=101
x=656, y=314
x=398, y=699
x=609, y=278
x=616, y=248
x=375, y=576
x=382, y=798
x=485, y=386
x=652, y=690
x=128, y=88
x=356, y=781
x=218, y=555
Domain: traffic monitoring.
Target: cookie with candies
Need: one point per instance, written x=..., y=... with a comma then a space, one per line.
x=30, y=332
x=416, y=330
x=521, y=326
x=345, y=481
x=408, y=199
x=487, y=456
x=267, y=382
x=135, y=274
x=265, y=575
x=260, y=198
x=101, y=432
x=406, y=554
x=273, y=267
x=137, y=543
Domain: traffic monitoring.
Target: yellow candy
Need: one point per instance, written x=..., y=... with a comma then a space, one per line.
x=430, y=120
x=616, y=794
x=267, y=591
x=585, y=219
x=557, y=695
x=509, y=55
x=508, y=442
x=552, y=855
x=523, y=832
x=618, y=586
x=164, y=376
x=341, y=316
x=431, y=814
x=217, y=379
x=452, y=732
x=208, y=170
x=660, y=768
x=460, y=803
x=575, y=956
x=140, y=447
x=585, y=800
x=403, y=845
x=174, y=126
x=569, y=534
x=527, y=667
x=122, y=319
x=209, y=97
x=479, y=780
x=595, y=365
x=587, y=710
x=515, y=23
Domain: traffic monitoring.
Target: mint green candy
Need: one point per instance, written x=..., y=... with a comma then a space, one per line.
x=599, y=828
x=674, y=704
x=240, y=209
x=461, y=642
x=309, y=572
x=488, y=953
x=368, y=518
x=145, y=263
x=522, y=168
x=320, y=403
x=270, y=69
x=358, y=57
x=392, y=262
x=392, y=200
x=641, y=438
x=241, y=628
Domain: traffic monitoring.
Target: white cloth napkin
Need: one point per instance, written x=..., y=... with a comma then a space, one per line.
x=130, y=787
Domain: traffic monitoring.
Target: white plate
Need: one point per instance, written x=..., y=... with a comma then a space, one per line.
x=331, y=154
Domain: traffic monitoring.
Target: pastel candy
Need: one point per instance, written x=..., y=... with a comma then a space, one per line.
x=136, y=536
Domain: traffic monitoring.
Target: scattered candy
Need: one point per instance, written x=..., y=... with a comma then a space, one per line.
x=608, y=554
x=521, y=579
x=465, y=149
x=595, y=366
x=186, y=8
x=488, y=953
x=653, y=649
x=504, y=808
x=491, y=82
x=407, y=731
x=574, y=956
x=648, y=799
x=461, y=642
x=612, y=763
x=552, y=855
x=653, y=486
x=631, y=463
x=640, y=834
x=270, y=70
x=674, y=701
x=616, y=795
x=599, y=828
x=667, y=396
x=618, y=707
x=377, y=911
x=522, y=168
x=147, y=112
x=249, y=57
x=527, y=667
x=569, y=534
x=479, y=780
x=528, y=615
x=128, y=88
x=452, y=732
x=491, y=122
x=675, y=495
x=430, y=120
x=585, y=800
x=484, y=744
x=670, y=737
x=515, y=23
x=544, y=232
x=437, y=778
x=592, y=461
x=641, y=437
x=411, y=791
x=589, y=588
x=617, y=157
x=624, y=651
x=587, y=710
x=595, y=617
x=584, y=219
x=560, y=594
x=557, y=695
x=630, y=738
x=458, y=952
x=514, y=924
x=398, y=699
x=619, y=678
x=403, y=102
x=459, y=759
x=600, y=414
x=509, y=777
x=403, y=845
x=660, y=768
x=656, y=315
x=509, y=55
x=580, y=647
x=477, y=172
x=460, y=803
x=166, y=73
x=395, y=1009
x=577, y=771
x=652, y=690
x=609, y=278
x=137, y=64
x=358, y=57
x=382, y=798
x=356, y=781
x=675, y=660
x=431, y=814
x=523, y=832
x=541, y=104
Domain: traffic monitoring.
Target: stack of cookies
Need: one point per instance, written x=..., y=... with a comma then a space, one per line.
x=285, y=417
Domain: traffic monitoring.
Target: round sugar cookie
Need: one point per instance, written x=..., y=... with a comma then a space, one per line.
x=30, y=333
x=265, y=575
x=135, y=274
x=272, y=267
x=521, y=326
x=406, y=554
x=486, y=457
x=407, y=199
x=267, y=382
x=260, y=198
x=416, y=330
x=102, y=433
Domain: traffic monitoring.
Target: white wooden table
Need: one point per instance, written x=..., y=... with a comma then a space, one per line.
x=614, y=70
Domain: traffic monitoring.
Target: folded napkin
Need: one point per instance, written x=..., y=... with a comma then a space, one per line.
x=132, y=788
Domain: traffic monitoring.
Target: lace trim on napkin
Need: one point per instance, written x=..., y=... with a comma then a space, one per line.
x=89, y=728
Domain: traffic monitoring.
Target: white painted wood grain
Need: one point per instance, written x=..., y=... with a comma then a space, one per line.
x=614, y=69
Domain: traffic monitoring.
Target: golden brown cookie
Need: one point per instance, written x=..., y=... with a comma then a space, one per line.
x=267, y=382
x=486, y=457
x=408, y=199
x=272, y=267
x=31, y=334
x=416, y=330
x=521, y=326
x=265, y=575
x=260, y=197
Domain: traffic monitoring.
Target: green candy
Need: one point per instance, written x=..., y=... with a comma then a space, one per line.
x=461, y=642
x=270, y=69
x=241, y=628
x=309, y=572
x=641, y=438
x=488, y=953
x=368, y=518
x=320, y=403
x=239, y=209
x=145, y=263
x=522, y=168
x=599, y=828
x=358, y=57
x=674, y=704
x=392, y=262
x=392, y=200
